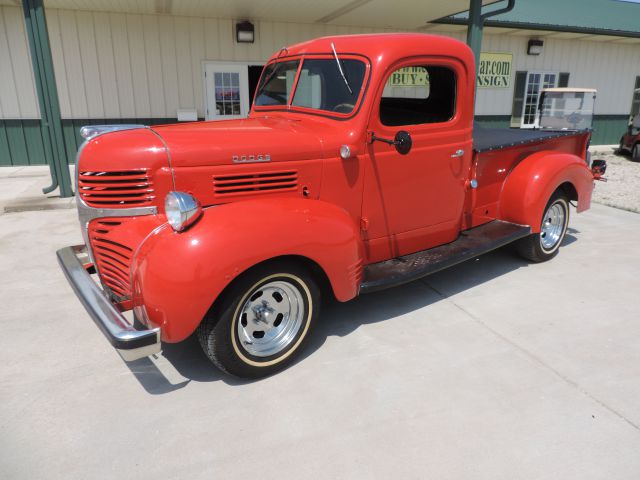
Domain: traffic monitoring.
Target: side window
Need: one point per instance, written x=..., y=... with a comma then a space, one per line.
x=418, y=94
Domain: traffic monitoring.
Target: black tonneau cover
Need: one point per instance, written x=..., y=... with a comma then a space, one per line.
x=486, y=139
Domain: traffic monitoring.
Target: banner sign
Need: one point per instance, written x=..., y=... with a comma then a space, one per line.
x=409, y=77
x=495, y=70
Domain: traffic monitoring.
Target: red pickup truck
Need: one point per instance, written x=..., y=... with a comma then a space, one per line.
x=357, y=169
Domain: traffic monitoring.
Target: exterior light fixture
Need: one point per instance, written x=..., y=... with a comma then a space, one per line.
x=245, y=32
x=534, y=47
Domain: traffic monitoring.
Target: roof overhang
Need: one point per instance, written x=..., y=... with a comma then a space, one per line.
x=405, y=15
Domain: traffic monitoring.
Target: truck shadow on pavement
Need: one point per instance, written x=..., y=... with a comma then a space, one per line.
x=179, y=364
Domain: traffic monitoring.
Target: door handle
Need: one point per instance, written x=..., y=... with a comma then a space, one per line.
x=458, y=153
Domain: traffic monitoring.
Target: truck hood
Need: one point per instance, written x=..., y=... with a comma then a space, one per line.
x=237, y=141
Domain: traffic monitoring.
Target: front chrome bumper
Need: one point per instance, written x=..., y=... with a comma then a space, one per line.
x=130, y=343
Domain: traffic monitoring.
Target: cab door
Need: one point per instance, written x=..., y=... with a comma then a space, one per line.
x=414, y=200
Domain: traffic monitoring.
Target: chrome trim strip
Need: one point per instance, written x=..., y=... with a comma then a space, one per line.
x=91, y=131
x=166, y=149
x=130, y=343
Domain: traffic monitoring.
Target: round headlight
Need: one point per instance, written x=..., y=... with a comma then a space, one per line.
x=181, y=209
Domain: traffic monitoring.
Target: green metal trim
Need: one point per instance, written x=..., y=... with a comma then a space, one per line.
x=51, y=131
x=22, y=141
x=543, y=27
x=607, y=129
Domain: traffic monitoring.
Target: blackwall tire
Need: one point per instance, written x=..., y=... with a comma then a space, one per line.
x=635, y=153
x=545, y=245
x=262, y=321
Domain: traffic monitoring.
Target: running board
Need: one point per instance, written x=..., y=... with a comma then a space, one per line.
x=470, y=244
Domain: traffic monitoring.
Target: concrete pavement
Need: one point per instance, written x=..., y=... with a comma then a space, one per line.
x=494, y=369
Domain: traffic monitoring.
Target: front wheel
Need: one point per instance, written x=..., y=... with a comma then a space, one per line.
x=543, y=246
x=261, y=321
x=635, y=153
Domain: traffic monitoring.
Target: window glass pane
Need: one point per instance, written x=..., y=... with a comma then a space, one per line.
x=321, y=85
x=418, y=94
x=276, y=83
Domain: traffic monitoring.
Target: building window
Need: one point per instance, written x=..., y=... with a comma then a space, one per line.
x=536, y=81
x=418, y=94
x=526, y=95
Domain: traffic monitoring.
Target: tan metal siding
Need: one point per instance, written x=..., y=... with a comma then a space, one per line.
x=116, y=65
x=609, y=67
x=18, y=98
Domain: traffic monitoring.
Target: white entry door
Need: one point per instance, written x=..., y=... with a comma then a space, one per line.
x=227, y=91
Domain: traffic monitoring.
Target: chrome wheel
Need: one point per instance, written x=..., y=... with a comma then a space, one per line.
x=270, y=318
x=553, y=225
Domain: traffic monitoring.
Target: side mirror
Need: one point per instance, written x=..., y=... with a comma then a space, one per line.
x=403, y=142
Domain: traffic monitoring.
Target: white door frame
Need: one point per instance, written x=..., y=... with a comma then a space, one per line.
x=244, y=90
x=209, y=69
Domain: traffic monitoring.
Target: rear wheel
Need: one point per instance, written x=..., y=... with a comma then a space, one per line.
x=635, y=153
x=262, y=320
x=543, y=246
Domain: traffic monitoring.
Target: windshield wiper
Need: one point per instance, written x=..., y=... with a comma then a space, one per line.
x=346, y=82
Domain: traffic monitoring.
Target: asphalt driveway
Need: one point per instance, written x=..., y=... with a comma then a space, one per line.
x=494, y=369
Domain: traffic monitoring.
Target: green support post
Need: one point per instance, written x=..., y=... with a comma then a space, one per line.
x=476, y=24
x=51, y=121
x=474, y=29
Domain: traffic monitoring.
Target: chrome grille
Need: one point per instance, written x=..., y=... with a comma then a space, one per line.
x=116, y=189
x=113, y=259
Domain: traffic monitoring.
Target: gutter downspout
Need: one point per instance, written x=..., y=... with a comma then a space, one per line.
x=51, y=121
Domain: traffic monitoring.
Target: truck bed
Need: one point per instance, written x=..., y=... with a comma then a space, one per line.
x=487, y=139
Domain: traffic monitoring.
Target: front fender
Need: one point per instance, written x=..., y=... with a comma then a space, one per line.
x=178, y=276
x=531, y=183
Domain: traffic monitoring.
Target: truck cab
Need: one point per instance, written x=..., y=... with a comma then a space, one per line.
x=357, y=169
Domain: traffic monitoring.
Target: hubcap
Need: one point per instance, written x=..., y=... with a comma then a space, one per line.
x=271, y=318
x=552, y=226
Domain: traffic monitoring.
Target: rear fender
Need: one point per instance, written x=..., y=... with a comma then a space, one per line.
x=178, y=276
x=531, y=183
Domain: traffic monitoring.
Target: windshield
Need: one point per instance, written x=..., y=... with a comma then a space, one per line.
x=320, y=84
x=567, y=110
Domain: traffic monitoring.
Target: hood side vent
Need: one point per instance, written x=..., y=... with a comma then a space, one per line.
x=226, y=185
